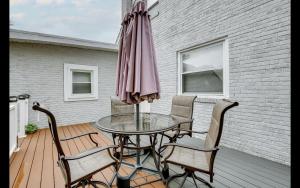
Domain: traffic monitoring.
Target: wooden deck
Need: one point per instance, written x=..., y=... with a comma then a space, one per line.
x=35, y=164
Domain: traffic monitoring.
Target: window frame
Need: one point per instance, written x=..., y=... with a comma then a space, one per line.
x=225, y=93
x=68, y=82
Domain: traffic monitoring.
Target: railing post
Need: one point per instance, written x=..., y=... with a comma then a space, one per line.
x=13, y=127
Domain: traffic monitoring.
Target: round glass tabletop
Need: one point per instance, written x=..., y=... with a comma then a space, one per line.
x=127, y=123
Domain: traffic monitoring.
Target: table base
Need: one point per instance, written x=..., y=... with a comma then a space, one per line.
x=124, y=181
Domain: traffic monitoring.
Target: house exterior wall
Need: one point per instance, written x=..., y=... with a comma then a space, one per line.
x=258, y=32
x=38, y=69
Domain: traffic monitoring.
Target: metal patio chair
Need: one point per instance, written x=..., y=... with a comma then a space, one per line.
x=78, y=169
x=182, y=109
x=119, y=107
x=192, y=158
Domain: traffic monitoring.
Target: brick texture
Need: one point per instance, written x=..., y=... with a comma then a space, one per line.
x=39, y=69
x=258, y=32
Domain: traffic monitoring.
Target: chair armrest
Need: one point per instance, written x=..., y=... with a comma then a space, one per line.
x=190, y=147
x=198, y=132
x=84, y=134
x=178, y=128
x=85, y=154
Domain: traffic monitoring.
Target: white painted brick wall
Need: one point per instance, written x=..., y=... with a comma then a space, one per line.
x=38, y=70
x=259, y=56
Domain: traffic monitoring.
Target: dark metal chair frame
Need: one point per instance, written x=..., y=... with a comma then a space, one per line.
x=179, y=131
x=179, y=134
x=63, y=160
x=127, y=141
x=189, y=171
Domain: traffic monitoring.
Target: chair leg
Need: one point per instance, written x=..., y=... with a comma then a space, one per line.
x=126, y=139
x=116, y=154
x=129, y=140
x=202, y=180
x=177, y=176
x=185, y=176
x=113, y=137
x=94, y=184
x=160, y=149
x=83, y=184
x=79, y=184
x=114, y=141
x=165, y=171
x=68, y=185
x=113, y=178
x=193, y=176
x=88, y=181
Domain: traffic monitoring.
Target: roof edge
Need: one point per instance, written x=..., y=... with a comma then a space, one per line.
x=16, y=35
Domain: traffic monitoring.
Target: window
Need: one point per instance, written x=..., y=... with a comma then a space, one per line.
x=80, y=82
x=203, y=70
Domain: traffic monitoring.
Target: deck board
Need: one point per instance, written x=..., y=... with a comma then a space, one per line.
x=25, y=168
x=35, y=164
x=15, y=164
x=20, y=141
x=48, y=176
x=35, y=177
x=262, y=167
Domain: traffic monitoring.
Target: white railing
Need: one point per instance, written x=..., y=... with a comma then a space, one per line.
x=13, y=127
x=22, y=117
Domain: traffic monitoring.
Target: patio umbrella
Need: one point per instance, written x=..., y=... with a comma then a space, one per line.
x=137, y=77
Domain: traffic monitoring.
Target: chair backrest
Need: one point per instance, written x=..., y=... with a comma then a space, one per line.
x=216, y=126
x=119, y=107
x=182, y=109
x=52, y=127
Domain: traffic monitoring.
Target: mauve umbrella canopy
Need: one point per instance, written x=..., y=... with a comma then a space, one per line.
x=137, y=77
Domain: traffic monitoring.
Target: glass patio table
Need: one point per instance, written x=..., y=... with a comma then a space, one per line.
x=138, y=124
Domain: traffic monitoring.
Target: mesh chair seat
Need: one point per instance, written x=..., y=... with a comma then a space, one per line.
x=79, y=168
x=187, y=158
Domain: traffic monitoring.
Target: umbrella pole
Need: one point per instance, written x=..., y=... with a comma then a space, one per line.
x=138, y=162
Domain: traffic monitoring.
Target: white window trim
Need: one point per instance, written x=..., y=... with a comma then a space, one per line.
x=225, y=71
x=68, y=95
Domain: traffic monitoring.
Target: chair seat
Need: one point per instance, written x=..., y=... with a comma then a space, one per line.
x=187, y=158
x=89, y=164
